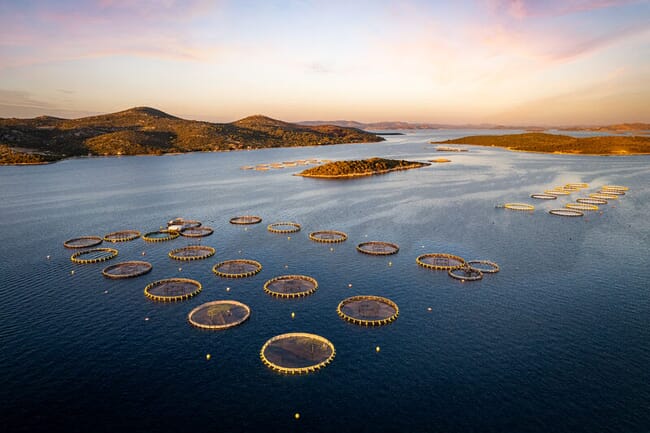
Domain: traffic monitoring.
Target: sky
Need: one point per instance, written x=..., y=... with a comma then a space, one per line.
x=524, y=62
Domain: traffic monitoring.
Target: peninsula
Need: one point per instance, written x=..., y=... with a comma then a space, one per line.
x=358, y=168
x=555, y=143
x=147, y=131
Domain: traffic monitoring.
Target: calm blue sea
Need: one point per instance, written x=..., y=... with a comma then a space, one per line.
x=558, y=341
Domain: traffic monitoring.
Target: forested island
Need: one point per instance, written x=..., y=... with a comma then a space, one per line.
x=358, y=168
x=147, y=131
x=555, y=143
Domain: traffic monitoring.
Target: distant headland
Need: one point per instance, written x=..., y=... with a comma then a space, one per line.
x=359, y=168
x=147, y=131
x=555, y=143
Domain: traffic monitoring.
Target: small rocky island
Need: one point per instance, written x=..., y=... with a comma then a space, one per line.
x=358, y=168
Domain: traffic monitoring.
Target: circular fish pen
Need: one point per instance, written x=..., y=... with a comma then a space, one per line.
x=160, y=236
x=196, y=232
x=122, y=236
x=284, y=227
x=440, y=261
x=328, y=236
x=83, y=242
x=246, y=219
x=172, y=289
x=616, y=187
x=297, y=353
x=95, y=255
x=239, y=268
x=611, y=191
x=368, y=310
x=556, y=192
x=603, y=196
x=377, y=248
x=466, y=273
x=218, y=315
x=127, y=270
x=577, y=185
x=522, y=207
x=291, y=286
x=566, y=212
x=192, y=252
x=581, y=206
x=592, y=200
x=485, y=266
x=544, y=196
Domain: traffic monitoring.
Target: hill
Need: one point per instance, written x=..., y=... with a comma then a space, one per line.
x=145, y=130
x=553, y=143
x=357, y=168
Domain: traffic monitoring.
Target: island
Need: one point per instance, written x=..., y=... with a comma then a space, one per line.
x=358, y=168
x=148, y=131
x=555, y=143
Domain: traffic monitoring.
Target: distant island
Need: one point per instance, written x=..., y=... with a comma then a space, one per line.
x=147, y=131
x=358, y=168
x=554, y=143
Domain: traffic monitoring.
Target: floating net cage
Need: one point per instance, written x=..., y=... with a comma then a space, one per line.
x=440, y=160
x=192, y=252
x=603, y=196
x=485, y=266
x=368, y=310
x=178, y=224
x=544, y=196
x=577, y=185
x=172, y=289
x=519, y=207
x=127, y=270
x=466, y=273
x=246, y=219
x=616, y=187
x=219, y=315
x=196, y=232
x=291, y=286
x=566, y=212
x=297, y=353
x=377, y=248
x=95, y=255
x=556, y=192
x=581, y=206
x=328, y=236
x=160, y=236
x=83, y=242
x=440, y=261
x=239, y=268
x=122, y=236
x=591, y=200
x=611, y=191
x=284, y=227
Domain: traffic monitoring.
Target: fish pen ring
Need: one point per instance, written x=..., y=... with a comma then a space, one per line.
x=218, y=315
x=238, y=268
x=581, y=206
x=577, y=185
x=95, y=255
x=246, y=219
x=127, y=270
x=466, y=273
x=616, y=187
x=328, y=236
x=591, y=200
x=172, y=289
x=368, y=310
x=544, y=196
x=284, y=227
x=291, y=286
x=122, y=236
x=160, y=236
x=485, y=266
x=297, y=353
x=378, y=248
x=440, y=261
x=604, y=196
x=83, y=242
x=196, y=232
x=192, y=252
x=519, y=206
x=556, y=192
x=611, y=191
x=566, y=212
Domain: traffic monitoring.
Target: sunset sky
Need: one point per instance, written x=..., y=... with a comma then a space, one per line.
x=494, y=61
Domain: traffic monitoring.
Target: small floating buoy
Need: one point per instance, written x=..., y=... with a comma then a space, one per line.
x=180, y=269
x=293, y=315
x=377, y=349
x=105, y=291
x=296, y=415
x=146, y=319
x=48, y=257
x=72, y=272
x=144, y=253
x=245, y=229
x=286, y=266
x=350, y=285
x=208, y=356
x=331, y=248
x=390, y=263
x=429, y=309
x=227, y=289
x=288, y=238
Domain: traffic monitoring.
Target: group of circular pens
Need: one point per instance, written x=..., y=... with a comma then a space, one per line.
x=292, y=353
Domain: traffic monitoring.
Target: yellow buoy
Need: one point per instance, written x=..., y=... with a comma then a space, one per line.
x=296, y=415
x=208, y=356
x=293, y=315
x=289, y=238
x=377, y=349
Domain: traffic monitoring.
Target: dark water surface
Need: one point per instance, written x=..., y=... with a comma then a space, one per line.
x=558, y=341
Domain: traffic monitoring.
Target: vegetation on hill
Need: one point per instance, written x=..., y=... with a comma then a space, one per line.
x=144, y=130
x=356, y=168
x=552, y=143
